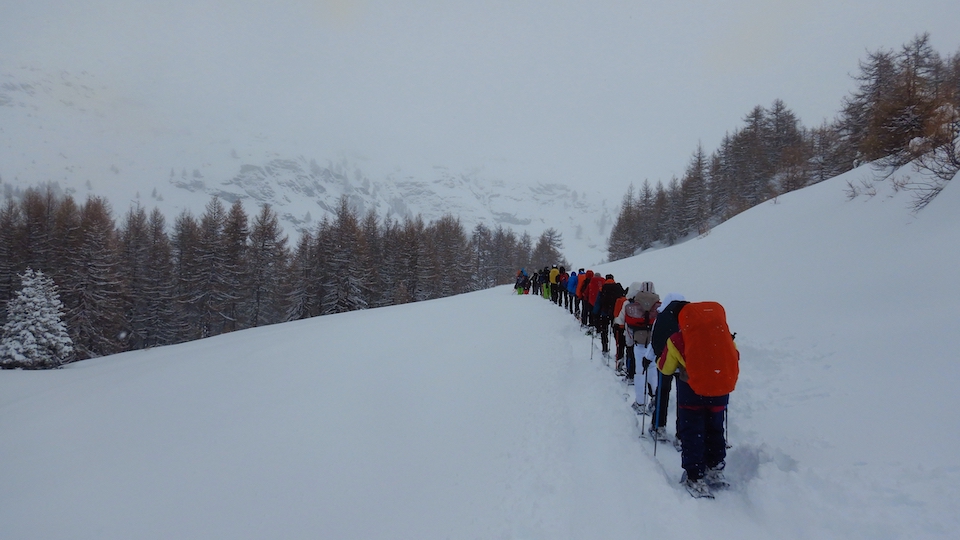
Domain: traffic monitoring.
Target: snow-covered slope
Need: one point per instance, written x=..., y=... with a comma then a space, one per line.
x=90, y=138
x=483, y=415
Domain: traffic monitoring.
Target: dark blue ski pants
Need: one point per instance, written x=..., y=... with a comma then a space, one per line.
x=700, y=427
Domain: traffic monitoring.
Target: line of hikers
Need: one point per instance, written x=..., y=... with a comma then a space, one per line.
x=687, y=342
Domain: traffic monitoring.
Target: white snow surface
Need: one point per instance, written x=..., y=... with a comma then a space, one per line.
x=484, y=415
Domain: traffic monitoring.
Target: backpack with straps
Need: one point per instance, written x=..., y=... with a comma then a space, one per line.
x=642, y=311
x=711, y=357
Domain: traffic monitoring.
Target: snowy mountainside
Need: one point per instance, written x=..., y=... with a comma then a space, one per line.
x=89, y=138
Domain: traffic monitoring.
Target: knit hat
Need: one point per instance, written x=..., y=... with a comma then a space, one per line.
x=670, y=297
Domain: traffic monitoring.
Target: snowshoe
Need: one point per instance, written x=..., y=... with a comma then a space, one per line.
x=715, y=478
x=660, y=434
x=698, y=489
x=639, y=409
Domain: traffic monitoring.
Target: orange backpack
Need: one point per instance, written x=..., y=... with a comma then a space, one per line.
x=711, y=358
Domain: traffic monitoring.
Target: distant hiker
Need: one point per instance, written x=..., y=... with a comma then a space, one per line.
x=583, y=286
x=706, y=360
x=562, y=299
x=521, y=277
x=618, y=336
x=554, y=281
x=574, y=307
x=545, y=280
x=610, y=290
x=660, y=381
x=593, y=295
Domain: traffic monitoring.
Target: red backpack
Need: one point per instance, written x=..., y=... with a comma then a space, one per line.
x=642, y=312
x=711, y=358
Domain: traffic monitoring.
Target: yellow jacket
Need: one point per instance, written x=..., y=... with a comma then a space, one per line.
x=671, y=359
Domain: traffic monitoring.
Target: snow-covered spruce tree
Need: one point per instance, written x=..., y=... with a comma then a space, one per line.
x=35, y=336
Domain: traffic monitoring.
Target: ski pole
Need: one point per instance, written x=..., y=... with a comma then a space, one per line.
x=643, y=422
x=606, y=335
x=655, y=421
x=726, y=426
x=592, y=335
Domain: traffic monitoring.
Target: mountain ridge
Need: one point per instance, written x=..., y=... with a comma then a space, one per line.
x=73, y=131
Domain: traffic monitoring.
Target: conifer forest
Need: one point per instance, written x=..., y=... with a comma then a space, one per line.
x=905, y=108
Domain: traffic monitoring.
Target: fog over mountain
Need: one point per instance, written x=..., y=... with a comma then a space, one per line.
x=67, y=129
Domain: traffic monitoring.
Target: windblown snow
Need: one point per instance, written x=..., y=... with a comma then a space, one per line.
x=485, y=416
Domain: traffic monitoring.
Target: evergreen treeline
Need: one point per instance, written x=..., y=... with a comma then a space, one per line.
x=904, y=110
x=143, y=284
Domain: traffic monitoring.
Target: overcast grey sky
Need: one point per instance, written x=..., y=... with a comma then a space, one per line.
x=591, y=93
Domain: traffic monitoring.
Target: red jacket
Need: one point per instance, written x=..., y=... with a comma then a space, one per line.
x=595, y=285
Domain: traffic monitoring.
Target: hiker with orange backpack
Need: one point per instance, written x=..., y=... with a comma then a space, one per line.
x=659, y=384
x=706, y=359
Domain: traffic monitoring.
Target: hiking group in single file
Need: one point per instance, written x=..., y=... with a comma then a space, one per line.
x=681, y=343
